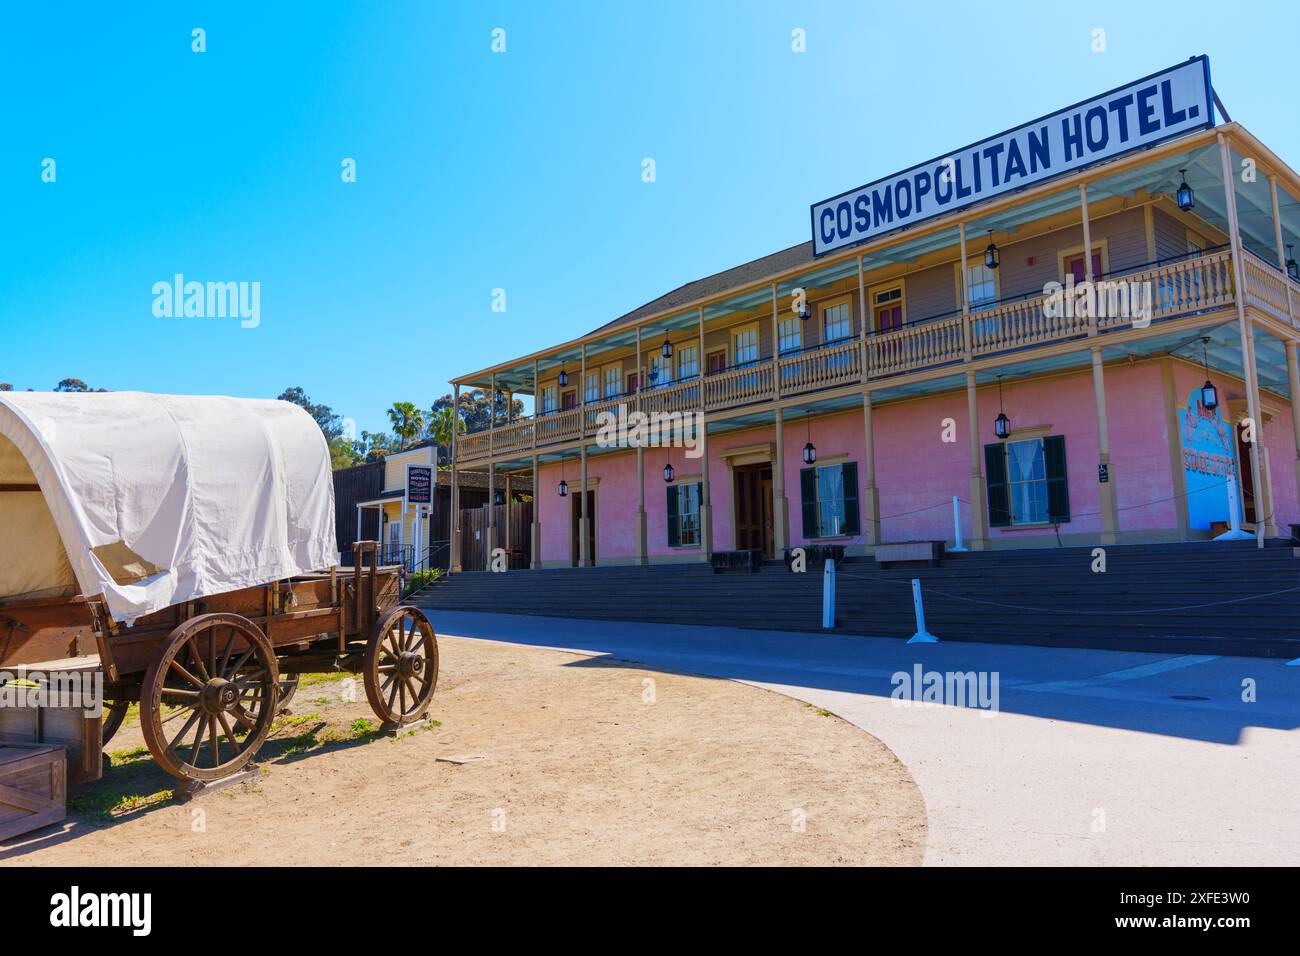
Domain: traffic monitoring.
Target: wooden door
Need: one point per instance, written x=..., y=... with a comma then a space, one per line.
x=1247, y=480
x=889, y=317
x=576, y=513
x=717, y=361
x=1074, y=266
x=753, y=490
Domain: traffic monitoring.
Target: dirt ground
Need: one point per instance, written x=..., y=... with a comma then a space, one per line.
x=573, y=760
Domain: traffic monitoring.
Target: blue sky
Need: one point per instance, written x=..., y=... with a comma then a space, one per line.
x=478, y=171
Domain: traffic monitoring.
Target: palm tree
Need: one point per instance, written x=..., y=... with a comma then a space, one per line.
x=407, y=420
x=439, y=427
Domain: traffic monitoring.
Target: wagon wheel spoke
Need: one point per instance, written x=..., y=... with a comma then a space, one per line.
x=189, y=724
x=197, y=657
x=225, y=654
x=176, y=665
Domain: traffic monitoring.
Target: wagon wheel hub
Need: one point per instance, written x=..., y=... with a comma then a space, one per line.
x=219, y=695
x=410, y=664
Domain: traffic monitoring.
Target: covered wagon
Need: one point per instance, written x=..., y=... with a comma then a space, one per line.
x=184, y=548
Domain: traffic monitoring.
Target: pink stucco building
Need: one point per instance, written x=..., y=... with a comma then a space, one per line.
x=845, y=393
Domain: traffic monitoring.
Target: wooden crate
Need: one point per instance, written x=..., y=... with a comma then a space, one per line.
x=70, y=727
x=33, y=788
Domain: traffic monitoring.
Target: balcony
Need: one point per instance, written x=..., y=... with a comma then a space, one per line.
x=1180, y=288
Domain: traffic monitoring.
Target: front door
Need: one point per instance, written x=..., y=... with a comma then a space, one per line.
x=754, y=508
x=591, y=528
x=1247, y=480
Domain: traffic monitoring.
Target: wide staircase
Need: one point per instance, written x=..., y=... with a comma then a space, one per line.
x=1215, y=598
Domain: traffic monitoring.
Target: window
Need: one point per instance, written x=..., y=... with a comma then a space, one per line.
x=829, y=495
x=1027, y=482
x=591, y=388
x=688, y=361
x=837, y=322
x=613, y=381
x=981, y=284
x=745, y=341
x=661, y=371
x=789, y=334
x=548, y=399
x=887, y=306
x=684, y=515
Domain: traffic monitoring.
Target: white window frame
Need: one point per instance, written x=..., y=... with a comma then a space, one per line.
x=1013, y=484
x=737, y=358
x=685, y=370
x=613, y=375
x=789, y=334
x=591, y=387
x=550, y=399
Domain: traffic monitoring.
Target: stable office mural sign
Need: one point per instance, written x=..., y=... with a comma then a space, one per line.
x=1209, y=462
x=1155, y=108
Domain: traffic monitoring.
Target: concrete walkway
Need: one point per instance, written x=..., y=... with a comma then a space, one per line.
x=1090, y=759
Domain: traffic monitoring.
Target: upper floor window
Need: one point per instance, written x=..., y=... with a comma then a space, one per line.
x=789, y=333
x=688, y=361
x=661, y=370
x=613, y=381
x=548, y=399
x=981, y=284
x=837, y=322
x=745, y=341
x=591, y=388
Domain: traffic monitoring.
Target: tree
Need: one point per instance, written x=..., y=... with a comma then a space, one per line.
x=75, y=385
x=376, y=445
x=475, y=411
x=6, y=387
x=330, y=423
x=408, y=421
x=345, y=453
x=439, y=430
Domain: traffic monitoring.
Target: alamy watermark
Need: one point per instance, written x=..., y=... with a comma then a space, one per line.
x=211, y=300
x=22, y=688
x=635, y=429
x=1102, y=298
x=922, y=688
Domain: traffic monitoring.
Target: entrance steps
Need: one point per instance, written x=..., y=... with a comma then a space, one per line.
x=1205, y=597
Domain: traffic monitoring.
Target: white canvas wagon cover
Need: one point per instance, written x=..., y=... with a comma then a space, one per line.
x=151, y=500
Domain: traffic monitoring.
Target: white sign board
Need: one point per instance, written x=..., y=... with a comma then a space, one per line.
x=1160, y=106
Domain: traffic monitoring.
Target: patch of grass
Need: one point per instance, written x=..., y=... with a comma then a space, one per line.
x=421, y=579
x=128, y=755
x=362, y=725
x=314, y=680
x=104, y=805
x=295, y=721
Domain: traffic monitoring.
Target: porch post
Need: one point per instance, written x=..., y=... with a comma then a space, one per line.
x=583, y=556
x=871, y=504
x=979, y=533
x=1247, y=339
x=491, y=516
x=965, y=296
x=1293, y=378
x=358, y=537
x=453, y=554
x=776, y=347
x=1087, y=250
x=641, y=548
x=1106, y=490
x=706, y=507
x=1281, y=249
x=780, y=506
x=862, y=322
x=537, y=523
x=509, y=542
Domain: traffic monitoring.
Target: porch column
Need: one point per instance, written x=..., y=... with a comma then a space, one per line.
x=1281, y=249
x=358, y=537
x=1109, y=512
x=979, y=516
x=509, y=542
x=453, y=558
x=780, y=506
x=870, y=493
x=1087, y=249
x=1293, y=377
x=965, y=295
x=641, y=542
x=1247, y=338
x=491, y=516
x=706, y=505
x=583, y=556
x=537, y=511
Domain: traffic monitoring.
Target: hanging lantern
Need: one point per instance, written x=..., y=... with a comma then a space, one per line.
x=805, y=313
x=991, y=255
x=1292, y=269
x=1001, y=424
x=1209, y=394
x=1185, y=197
x=564, y=377
x=809, y=450
x=668, y=474
x=564, y=488
x=666, y=350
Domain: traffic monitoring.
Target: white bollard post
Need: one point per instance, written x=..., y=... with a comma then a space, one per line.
x=922, y=636
x=1234, y=532
x=956, y=523
x=828, y=595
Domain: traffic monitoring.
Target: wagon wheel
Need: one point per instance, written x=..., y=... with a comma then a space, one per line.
x=209, y=697
x=401, y=667
x=114, y=714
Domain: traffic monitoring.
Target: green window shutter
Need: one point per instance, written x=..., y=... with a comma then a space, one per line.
x=808, y=497
x=674, y=532
x=1058, y=488
x=995, y=473
x=852, y=517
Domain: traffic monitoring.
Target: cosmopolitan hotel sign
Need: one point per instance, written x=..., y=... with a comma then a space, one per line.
x=1165, y=104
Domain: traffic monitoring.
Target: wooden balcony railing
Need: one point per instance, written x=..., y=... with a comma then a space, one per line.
x=1187, y=286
